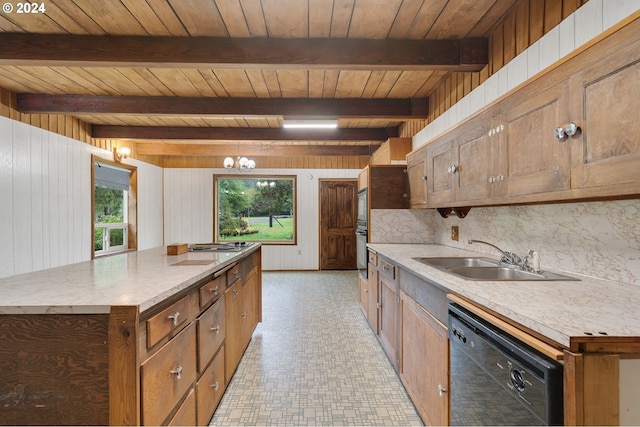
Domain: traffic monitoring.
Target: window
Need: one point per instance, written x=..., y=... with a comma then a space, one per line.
x=113, y=210
x=258, y=209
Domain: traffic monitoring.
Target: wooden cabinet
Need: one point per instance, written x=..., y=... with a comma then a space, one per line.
x=387, y=186
x=393, y=150
x=532, y=159
x=210, y=388
x=372, y=291
x=389, y=300
x=605, y=156
x=167, y=375
x=241, y=312
x=425, y=362
x=186, y=414
x=508, y=153
x=211, y=333
x=417, y=177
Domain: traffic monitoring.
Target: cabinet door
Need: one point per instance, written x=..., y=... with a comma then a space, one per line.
x=606, y=104
x=417, y=176
x=388, y=318
x=211, y=333
x=364, y=295
x=372, y=306
x=440, y=176
x=533, y=160
x=425, y=362
x=233, y=319
x=474, y=166
x=210, y=388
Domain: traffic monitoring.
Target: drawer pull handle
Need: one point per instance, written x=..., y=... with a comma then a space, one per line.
x=177, y=372
x=385, y=267
x=174, y=318
x=235, y=293
x=214, y=290
x=441, y=390
x=215, y=386
x=244, y=315
x=215, y=329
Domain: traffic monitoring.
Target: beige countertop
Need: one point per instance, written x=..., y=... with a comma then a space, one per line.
x=559, y=310
x=142, y=279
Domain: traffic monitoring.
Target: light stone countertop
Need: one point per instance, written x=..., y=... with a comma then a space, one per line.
x=559, y=310
x=142, y=279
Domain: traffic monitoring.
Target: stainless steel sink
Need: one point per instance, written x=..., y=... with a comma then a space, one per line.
x=447, y=262
x=477, y=268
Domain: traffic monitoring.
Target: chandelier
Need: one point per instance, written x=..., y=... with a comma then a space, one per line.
x=241, y=163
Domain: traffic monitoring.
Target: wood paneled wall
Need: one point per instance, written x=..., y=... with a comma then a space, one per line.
x=525, y=24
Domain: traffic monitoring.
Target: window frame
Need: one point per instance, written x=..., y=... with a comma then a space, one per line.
x=132, y=206
x=293, y=178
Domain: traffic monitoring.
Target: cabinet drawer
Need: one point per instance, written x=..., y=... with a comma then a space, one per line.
x=167, y=375
x=186, y=415
x=233, y=274
x=211, y=333
x=210, y=389
x=373, y=259
x=212, y=290
x=167, y=321
x=387, y=269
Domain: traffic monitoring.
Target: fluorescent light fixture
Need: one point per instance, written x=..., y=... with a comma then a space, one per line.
x=310, y=124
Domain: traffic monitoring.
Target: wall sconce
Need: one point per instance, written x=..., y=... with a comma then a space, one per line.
x=120, y=153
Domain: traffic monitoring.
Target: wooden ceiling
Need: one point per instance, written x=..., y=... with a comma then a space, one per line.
x=215, y=72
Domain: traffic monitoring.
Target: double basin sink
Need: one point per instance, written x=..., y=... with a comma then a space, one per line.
x=479, y=268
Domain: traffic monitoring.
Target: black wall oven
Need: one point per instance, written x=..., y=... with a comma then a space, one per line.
x=362, y=233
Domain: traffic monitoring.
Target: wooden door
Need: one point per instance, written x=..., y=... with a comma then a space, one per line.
x=425, y=362
x=338, y=222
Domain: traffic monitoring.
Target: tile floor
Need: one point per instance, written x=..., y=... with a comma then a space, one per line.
x=314, y=360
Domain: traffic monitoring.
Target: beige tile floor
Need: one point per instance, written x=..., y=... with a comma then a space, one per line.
x=314, y=360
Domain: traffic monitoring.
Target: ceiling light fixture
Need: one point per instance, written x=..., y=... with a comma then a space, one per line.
x=310, y=124
x=242, y=163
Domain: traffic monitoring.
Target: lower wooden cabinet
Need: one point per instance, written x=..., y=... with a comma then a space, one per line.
x=186, y=414
x=425, y=362
x=210, y=388
x=167, y=375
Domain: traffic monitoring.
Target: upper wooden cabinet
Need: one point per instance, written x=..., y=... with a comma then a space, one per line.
x=531, y=159
x=393, y=151
x=417, y=176
x=606, y=104
x=509, y=152
x=387, y=186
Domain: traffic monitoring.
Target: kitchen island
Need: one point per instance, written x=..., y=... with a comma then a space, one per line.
x=594, y=325
x=130, y=339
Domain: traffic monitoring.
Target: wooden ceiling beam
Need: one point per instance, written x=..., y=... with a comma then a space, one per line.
x=258, y=53
x=241, y=134
x=149, y=149
x=326, y=108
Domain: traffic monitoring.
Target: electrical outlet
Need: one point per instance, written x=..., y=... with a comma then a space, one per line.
x=454, y=232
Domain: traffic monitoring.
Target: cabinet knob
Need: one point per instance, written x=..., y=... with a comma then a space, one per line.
x=244, y=315
x=177, y=372
x=215, y=386
x=452, y=169
x=424, y=178
x=215, y=329
x=441, y=390
x=214, y=290
x=174, y=318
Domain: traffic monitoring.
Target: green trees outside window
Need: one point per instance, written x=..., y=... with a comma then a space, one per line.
x=260, y=209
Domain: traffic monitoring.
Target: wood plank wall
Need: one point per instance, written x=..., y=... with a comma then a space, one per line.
x=527, y=22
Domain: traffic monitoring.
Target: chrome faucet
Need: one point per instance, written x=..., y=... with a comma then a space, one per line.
x=508, y=258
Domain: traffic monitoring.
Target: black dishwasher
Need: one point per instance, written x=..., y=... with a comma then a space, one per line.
x=497, y=379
